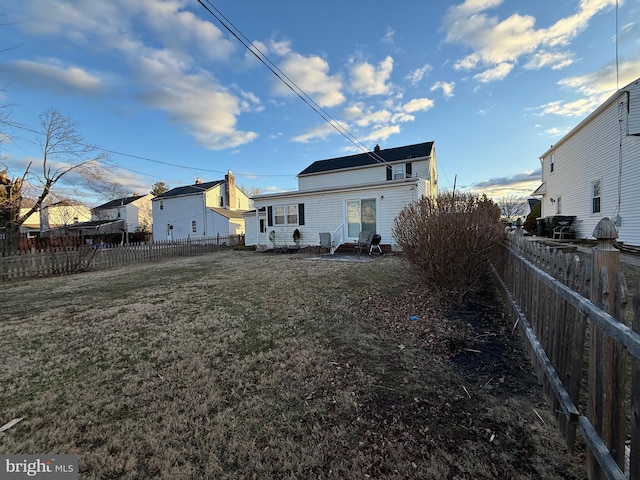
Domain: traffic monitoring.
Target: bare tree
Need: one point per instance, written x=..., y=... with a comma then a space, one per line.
x=512, y=207
x=64, y=156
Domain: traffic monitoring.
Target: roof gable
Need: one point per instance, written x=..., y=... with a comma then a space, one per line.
x=118, y=202
x=370, y=158
x=196, y=188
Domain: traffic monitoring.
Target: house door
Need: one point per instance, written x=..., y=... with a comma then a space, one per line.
x=361, y=216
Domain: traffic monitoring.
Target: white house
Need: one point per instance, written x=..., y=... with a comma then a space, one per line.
x=65, y=213
x=134, y=212
x=204, y=209
x=594, y=170
x=344, y=196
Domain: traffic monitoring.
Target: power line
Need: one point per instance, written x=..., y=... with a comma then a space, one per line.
x=256, y=52
x=138, y=157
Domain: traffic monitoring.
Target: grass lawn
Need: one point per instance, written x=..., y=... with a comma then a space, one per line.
x=240, y=365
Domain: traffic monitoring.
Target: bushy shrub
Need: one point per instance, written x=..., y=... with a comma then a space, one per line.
x=450, y=239
x=530, y=224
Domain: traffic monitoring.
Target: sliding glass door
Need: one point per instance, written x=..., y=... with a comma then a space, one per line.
x=361, y=216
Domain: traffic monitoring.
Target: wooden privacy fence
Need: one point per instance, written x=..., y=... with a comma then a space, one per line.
x=572, y=314
x=72, y=259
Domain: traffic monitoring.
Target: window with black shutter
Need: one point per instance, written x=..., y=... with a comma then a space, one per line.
x=408, y=169
x=301, y=214
x=270, y=216
x=389, y=173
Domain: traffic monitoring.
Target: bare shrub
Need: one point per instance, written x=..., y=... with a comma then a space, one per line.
x=450, y=239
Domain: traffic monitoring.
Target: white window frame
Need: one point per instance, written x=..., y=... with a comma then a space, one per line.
x=282, y=214
x=596, y=193
x=552, y=162
x=399, y=172
x=194, y=226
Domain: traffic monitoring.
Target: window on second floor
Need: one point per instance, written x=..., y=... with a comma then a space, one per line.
x=552, y=162
x=398, y=172
x=194, y=227
x=595, y=196
x=161, y=205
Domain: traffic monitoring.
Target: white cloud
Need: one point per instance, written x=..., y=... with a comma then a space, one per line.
x=497, y=43
x=367, y=79
x=417, y=105
x=388, y=37
x=156, y=40
x=418, y=74
x=375, y=118
x=543, y=58
x=382, y=133
x=595, y=88
x=52, y=76
x=319, y=132
x=496, y=73
x=446, y=87
x=311, y=75
x=194, y=101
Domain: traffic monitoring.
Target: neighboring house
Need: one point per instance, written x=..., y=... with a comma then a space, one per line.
x=134, y=212
x=31, y=226
x=344, y=196
x=56, y=216
x=204, y=209
x=594, y=170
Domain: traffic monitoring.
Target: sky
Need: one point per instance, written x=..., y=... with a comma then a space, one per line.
x=173, y=95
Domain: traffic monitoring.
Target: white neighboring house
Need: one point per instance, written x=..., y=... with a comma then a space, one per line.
x=594, y=170
x=204, y=209
x=344, y=196
x=55, y=216
x=133, y=211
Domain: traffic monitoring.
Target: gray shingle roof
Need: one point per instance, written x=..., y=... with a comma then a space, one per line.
x=369, y=158
x=118, y=202
x=189, y=189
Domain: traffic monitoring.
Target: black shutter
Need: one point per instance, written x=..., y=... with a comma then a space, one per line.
x=301, y=214
x=270, y=216
x=408, y=169
x=389, y=173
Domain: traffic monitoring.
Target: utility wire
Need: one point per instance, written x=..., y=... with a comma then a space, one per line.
x=256, y=52
x=137, y=157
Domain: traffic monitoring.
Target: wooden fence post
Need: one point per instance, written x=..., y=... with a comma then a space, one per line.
x=606, y=362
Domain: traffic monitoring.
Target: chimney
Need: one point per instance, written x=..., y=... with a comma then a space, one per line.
x=198, y=181
x=230, y=190
x=376, y=148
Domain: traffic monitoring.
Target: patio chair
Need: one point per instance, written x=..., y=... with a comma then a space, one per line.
x=363, y=243
x=566, y=230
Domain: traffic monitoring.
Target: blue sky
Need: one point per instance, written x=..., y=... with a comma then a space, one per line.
x=493, y=82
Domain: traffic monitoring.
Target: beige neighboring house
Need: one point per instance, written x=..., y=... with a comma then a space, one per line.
x=55, y=216
x=31, y=226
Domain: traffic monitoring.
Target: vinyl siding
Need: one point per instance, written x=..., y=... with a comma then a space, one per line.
x=359, y=176
x=599, y=150
x=326, y=211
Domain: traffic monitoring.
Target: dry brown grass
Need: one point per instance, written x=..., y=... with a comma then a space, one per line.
x=246, y=365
